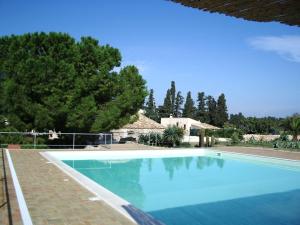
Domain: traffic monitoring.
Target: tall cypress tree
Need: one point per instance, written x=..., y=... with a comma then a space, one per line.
x=212, y=110
x=189, y=108
x=173, y=96
x=166, y=109
x=178, y=103
x=201, y=109
x=150, y=109
x=221, y=114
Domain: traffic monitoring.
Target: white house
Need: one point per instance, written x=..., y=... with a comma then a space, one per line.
x=187, y=124
x=143, y=125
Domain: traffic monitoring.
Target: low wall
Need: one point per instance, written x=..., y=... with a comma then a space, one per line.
x=261, y=137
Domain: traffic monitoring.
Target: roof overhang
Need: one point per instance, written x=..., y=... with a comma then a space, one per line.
x=282, y=11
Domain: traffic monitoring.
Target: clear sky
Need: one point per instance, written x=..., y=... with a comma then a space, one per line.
x=256, y=65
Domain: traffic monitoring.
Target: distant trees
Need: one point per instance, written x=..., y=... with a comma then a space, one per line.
x=51, y=81
x=212, y=110
x=292, y=124
x=221, y=111
x=189, y=107
x=201, y=108
x=172, y=103
x=253, y=125
x=178, y=104
x=150, y=108
x=208, y=110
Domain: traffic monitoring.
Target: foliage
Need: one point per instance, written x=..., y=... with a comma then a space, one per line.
x=150, y=109
x=212, y=110
x=221, y=114
x=189, y=109
x=235, y=138
x=172, y=103
x=185, y=145
x=201, y=108
x=287, y=144
x=292, y=124
x=225, y=133
x=151, y=139
x=178, y=104
x=253, y=125
x=173, y=96
x=166, y=109
x=51, y=81
x=172, y=136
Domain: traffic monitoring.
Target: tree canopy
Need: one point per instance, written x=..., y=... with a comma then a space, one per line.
x=52, y=81
x=189, y=108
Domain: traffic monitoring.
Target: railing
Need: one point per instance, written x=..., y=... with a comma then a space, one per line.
x=50, y=139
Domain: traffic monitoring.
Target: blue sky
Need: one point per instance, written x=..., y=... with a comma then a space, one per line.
x=256, y=65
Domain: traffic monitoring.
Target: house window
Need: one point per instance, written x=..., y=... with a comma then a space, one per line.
x=177, y=124
x=130, y=132
x=184, y=126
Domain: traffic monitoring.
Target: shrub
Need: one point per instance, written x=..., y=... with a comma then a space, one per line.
x=152, y=139
x=235, y=138
x=172, y=136
x=225, y=133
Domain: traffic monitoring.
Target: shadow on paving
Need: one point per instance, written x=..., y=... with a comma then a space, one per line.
x=270, y=209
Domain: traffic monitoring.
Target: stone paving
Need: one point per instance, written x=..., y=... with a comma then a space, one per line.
x=261, y=151
x=12, y=202
x=53, y=198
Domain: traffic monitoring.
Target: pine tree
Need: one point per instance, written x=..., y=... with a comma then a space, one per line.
x=212, y=110
x=150, y=109
x=189, y=108
x=201, y=109
x=178, y=104
x=221, y=114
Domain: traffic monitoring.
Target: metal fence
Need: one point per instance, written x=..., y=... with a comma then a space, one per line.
x=52, y=139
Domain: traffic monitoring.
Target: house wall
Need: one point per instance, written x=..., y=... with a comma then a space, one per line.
x=184, y=123
x=135, y=133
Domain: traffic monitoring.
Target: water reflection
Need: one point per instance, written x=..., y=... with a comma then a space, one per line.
x=127, y=177
x=173, y=164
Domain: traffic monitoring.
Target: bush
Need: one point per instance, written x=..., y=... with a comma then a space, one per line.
x=172, y=136
x=295, y=145
x=152, y=139
x=225, y=133
x=235, y=138
x=185, y=145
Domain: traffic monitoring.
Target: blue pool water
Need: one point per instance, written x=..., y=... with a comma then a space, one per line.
x=202, y=190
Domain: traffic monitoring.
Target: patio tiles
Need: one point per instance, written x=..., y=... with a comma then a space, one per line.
x=261, y=151
x=52, y=200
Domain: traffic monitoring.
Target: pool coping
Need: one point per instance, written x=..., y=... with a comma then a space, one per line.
x=113, y=200
x=25, y=215
x=98, y=190
x=262, y=159
x=117, y=202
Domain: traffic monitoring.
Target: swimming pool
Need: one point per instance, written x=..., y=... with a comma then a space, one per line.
x=199, y=187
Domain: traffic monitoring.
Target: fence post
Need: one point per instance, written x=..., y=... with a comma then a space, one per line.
x=34, y=140
x=73, y=141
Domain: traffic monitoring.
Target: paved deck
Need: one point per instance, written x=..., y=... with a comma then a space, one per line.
x=261, y=151
x=64, y=201
x=54, y=198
